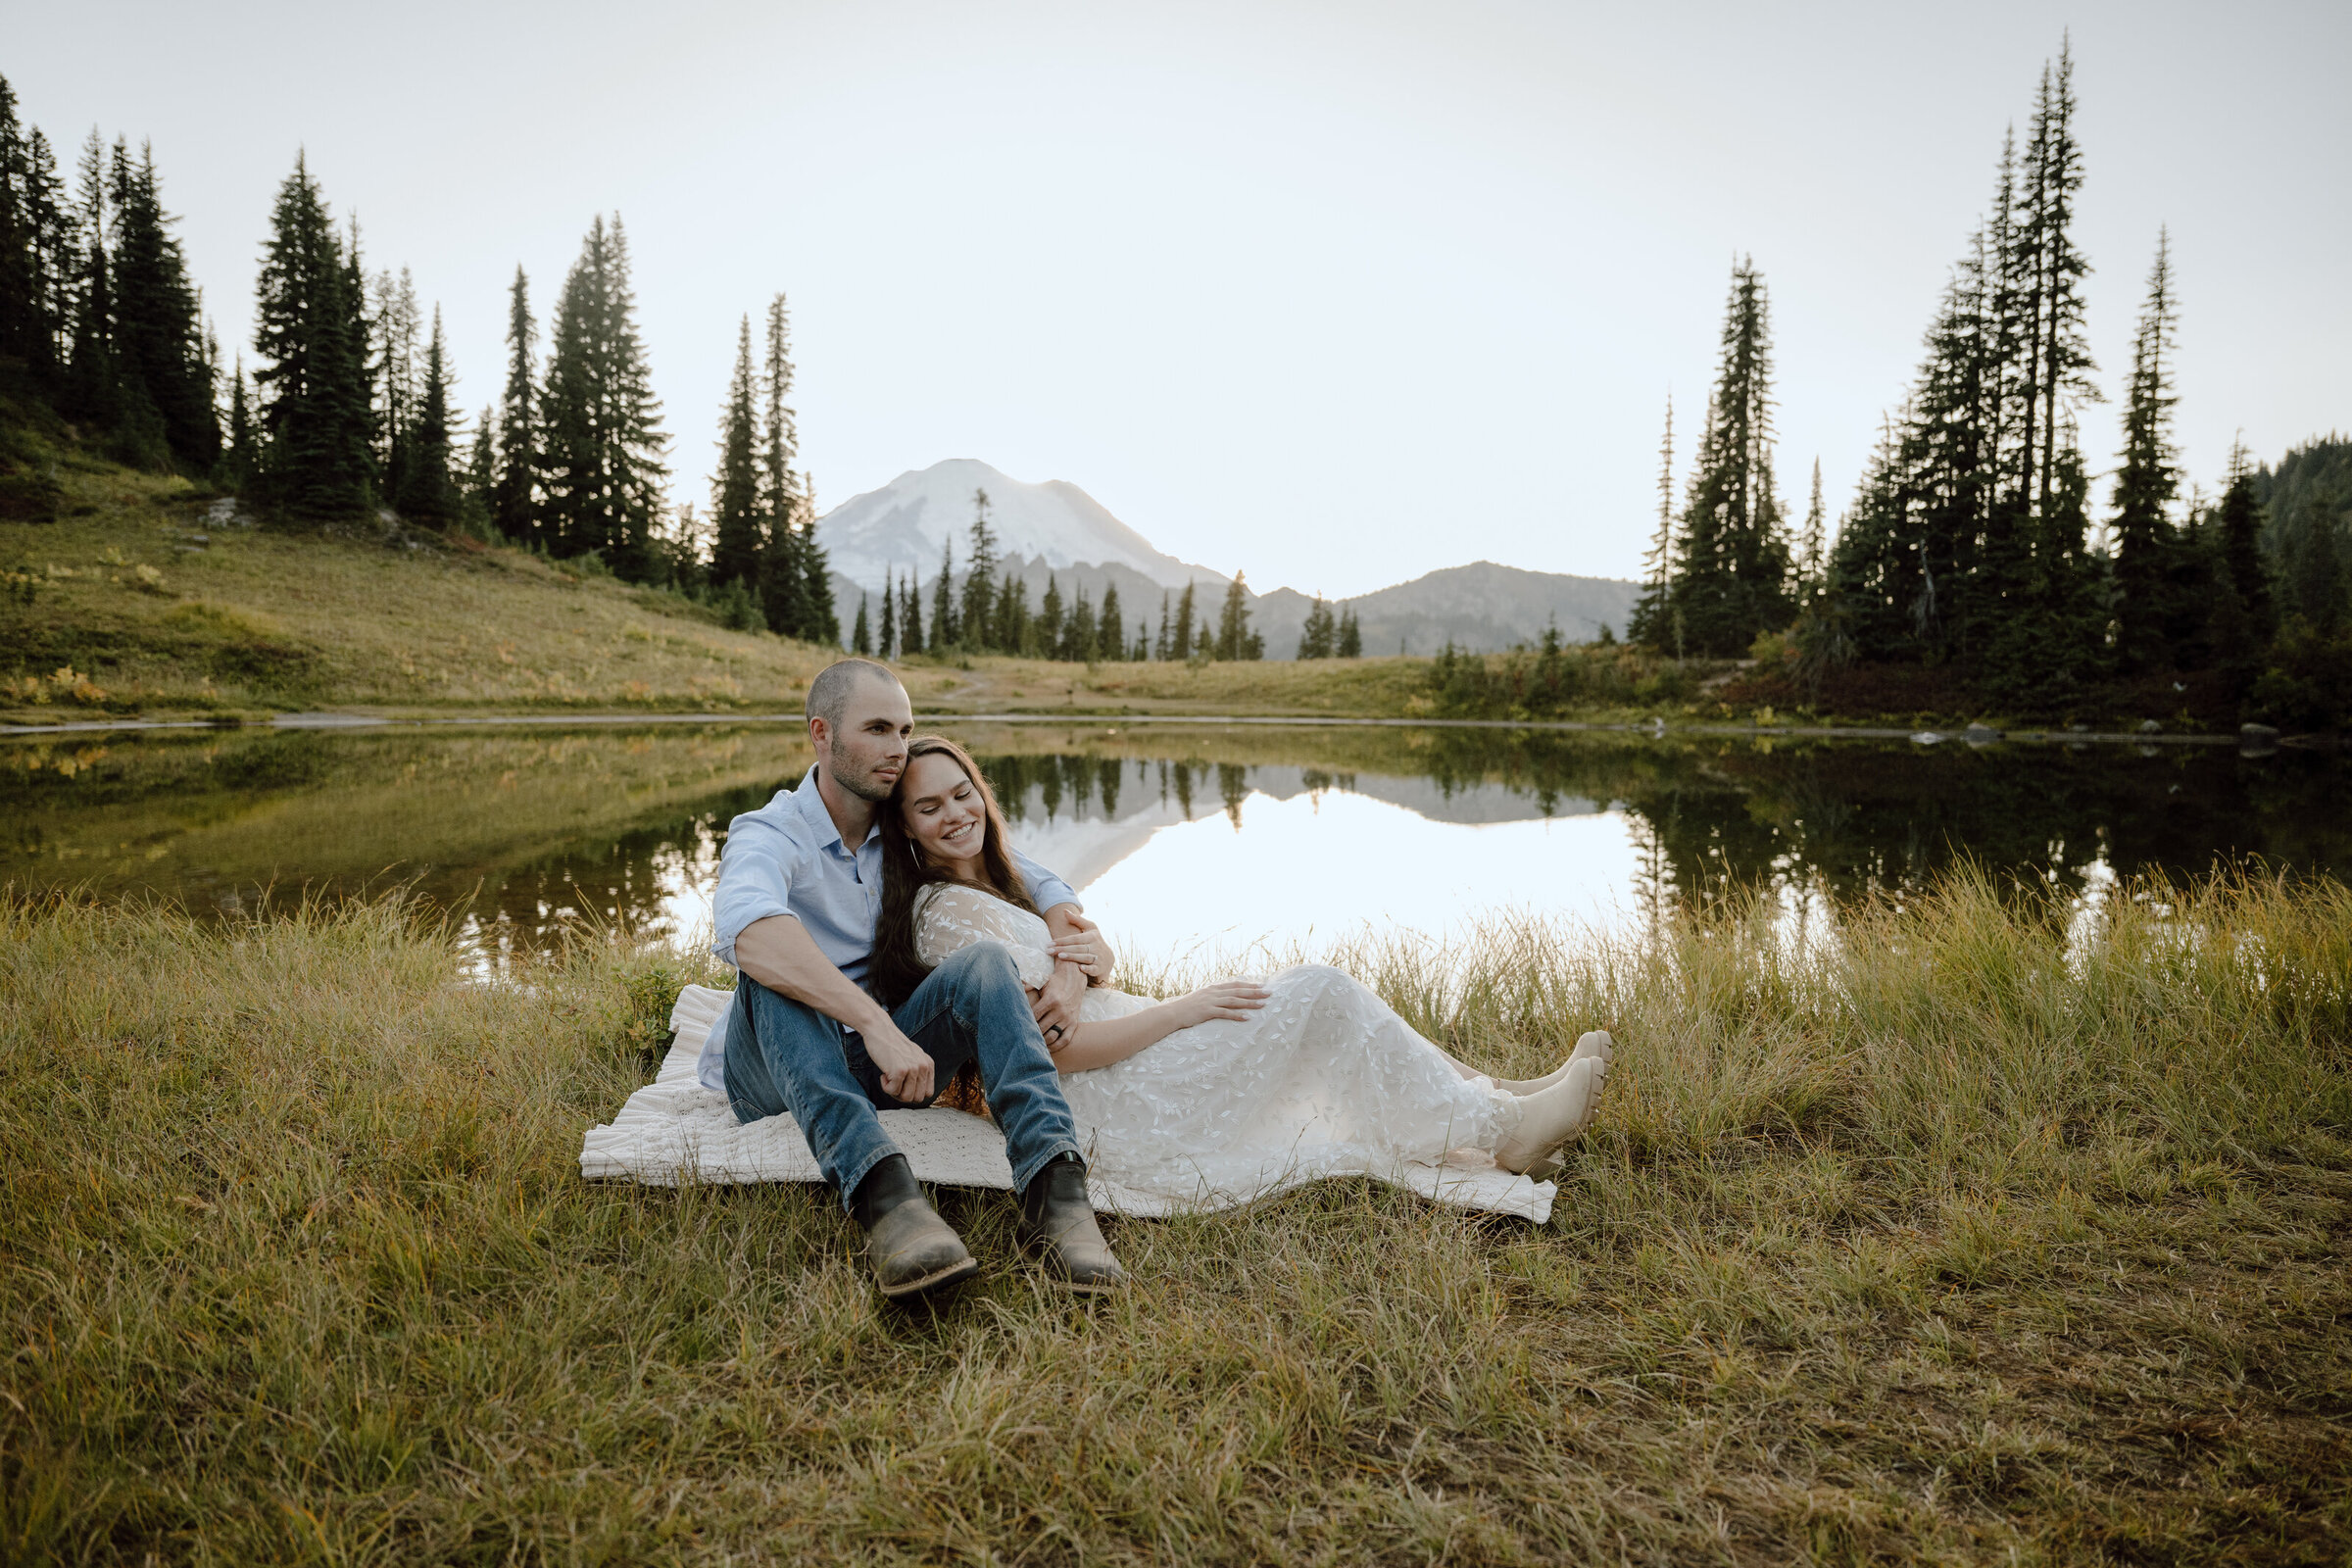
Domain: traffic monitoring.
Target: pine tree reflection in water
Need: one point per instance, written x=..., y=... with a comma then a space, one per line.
x=1254, y=829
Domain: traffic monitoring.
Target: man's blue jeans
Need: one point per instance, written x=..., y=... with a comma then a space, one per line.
x=784, y=1057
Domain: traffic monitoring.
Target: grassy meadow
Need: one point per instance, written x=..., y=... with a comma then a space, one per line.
x=139, y=600
x=1984, y=1232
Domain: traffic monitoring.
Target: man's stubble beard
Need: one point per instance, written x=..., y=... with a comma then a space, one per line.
x=839, y=764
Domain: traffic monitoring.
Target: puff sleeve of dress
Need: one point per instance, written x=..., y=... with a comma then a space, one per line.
x=949, y=918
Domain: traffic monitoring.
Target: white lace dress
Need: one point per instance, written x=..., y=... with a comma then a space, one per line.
x=1324, y=1081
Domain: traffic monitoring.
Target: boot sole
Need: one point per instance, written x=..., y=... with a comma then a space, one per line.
x=952, y=1274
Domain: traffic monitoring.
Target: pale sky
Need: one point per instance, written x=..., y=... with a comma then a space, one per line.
x=1334, y=293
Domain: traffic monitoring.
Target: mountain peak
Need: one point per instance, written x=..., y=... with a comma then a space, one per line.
x=906, y=523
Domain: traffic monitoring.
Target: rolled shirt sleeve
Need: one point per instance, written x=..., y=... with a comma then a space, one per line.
x=755, y=880
x=1045, y=889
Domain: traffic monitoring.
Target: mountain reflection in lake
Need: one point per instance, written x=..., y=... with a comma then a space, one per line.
x=1180, y=837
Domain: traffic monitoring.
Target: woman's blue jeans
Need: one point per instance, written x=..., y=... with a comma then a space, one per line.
x=787, y=1058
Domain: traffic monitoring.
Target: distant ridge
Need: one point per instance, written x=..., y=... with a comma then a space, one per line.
x=1055, y=527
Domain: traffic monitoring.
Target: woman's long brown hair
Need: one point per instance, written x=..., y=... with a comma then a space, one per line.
x=897, y=968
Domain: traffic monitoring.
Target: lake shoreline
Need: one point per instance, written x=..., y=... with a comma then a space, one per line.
x=1968, y=735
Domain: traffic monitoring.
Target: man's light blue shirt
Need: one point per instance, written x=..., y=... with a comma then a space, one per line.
x=788, y=857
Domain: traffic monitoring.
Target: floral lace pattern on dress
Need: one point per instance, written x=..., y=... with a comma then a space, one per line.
x=1326, y=1080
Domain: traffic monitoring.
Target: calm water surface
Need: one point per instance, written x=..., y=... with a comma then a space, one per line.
x=1181, y=838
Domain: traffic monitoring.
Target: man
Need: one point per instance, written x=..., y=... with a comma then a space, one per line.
x=799, y=886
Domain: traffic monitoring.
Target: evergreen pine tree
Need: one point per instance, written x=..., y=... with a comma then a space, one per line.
x=2238, y=519
x=1049, y=620
x=2315, y=577
x=430, y=496
x=396, y=329
x=816, y=571
x=1233, y=622
x=1319, y=637
x=1012, y=614
x=1811, y=546
x=1078, y=632
x=978, y=619
x=1161, y=649
x=481, y=483
x=1351, y=634
x=242, y=459
x=309, y=331
x=90, y=376
x=944, y=633
x=604, y=438
x=888, y=644
x=1183, y=649
x=162, y=377
x=1647, y=622
x=2148, y=482
x=514, y=499
x=784, y=573
x=32, y=216
x=1730, y=571
x=911, y=615
x=861, y=640
x=735, y=508
x=1110, y=638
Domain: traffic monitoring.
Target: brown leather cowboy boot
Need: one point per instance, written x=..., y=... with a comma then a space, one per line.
x=912, y=1248
x=1058, y=1221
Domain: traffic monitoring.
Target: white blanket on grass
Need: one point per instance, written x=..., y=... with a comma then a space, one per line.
x=674, y=1129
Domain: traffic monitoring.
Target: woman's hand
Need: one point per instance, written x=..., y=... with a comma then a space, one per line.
x=1233, y=1000
x=1085, y=948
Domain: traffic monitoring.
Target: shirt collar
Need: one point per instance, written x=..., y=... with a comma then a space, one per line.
x=814, y=813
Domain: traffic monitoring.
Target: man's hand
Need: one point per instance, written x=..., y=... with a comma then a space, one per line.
x=1056, y=1007
x=906, y=1066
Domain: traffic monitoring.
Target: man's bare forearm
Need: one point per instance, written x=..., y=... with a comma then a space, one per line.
x=780, y=954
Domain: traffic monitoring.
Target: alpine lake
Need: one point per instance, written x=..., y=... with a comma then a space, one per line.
x=1187, y=841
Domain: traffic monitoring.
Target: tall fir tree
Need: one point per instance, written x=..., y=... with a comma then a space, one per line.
x=240, y=461
x=944, y=633
x=1811, y=545
x=605, y=445
x=1235, y=639
x=37, y=251
x=911, y=615
x=515, y=501
x=816, y=571
x=735, y=508
x=396, y=333
x=1730, y=572
x=311, y=333
x=1012, y=614
x=1111, y=635
x=1078, y=630
x=162, y=374
x=887, y=647
x=1049, y=619
x=429, y=493
x=2238, y=521
x=978, y=615
x=2147, y=484
x=1165, y=641
x=1649, y=622
x=861, y=640
x=1351, y=634
x=1183, y=646
x=1319, y=637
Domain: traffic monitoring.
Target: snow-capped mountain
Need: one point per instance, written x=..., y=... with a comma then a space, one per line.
x=905, y=525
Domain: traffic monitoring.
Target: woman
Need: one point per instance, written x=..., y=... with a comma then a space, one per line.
x=1232, y=1090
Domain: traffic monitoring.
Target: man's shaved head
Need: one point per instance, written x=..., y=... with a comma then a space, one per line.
x=831, y=693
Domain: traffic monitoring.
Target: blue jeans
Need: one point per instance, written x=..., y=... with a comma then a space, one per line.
x=786, y=1059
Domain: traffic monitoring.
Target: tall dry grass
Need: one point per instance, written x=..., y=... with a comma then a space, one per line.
x=1977, y=1233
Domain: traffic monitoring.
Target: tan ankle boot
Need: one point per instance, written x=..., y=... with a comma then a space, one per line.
x=1550, y=1117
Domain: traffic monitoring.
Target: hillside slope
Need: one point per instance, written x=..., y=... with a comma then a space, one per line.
x=148, y=595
